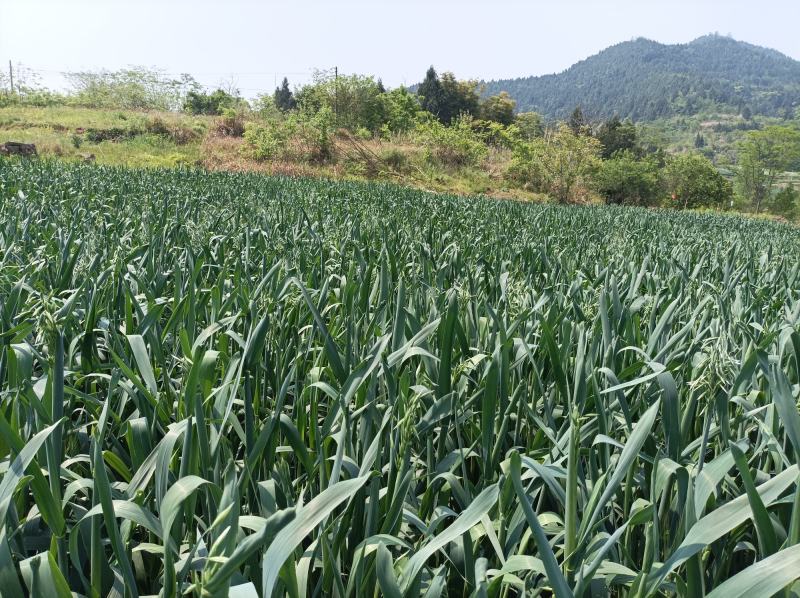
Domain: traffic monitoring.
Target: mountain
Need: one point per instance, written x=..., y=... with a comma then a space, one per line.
x=644, y=80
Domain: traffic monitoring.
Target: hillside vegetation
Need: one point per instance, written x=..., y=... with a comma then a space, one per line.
x=445, y=135
x=226, y=384
x=646, y=80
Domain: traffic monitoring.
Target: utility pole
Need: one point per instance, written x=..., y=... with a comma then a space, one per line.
x=11, y=75
x=336, y=95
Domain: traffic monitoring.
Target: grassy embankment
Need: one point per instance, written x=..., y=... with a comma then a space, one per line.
x=153, y=139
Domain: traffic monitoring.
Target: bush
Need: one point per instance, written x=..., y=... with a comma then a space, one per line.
x=497, y=134
x=395, y=159
x=530, y=125
x=298, y=137
x=557, y=163
x=785, y=202
x=625, y=180
x=315, y=135
x=453, y=146
x=267, y=141
x=499, y=109
x=400, y=110
x=111, y=134
x=363, y=134
x=355, y=100
x=693, y=182
x=231, y=124
x=217, y=102
x=178, y=132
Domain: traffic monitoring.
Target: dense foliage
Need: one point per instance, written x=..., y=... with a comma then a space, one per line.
x=198, y=102
x=644, y=80
x=133, y=88
x=325, y=388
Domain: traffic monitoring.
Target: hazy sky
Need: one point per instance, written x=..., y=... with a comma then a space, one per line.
x=256, y=43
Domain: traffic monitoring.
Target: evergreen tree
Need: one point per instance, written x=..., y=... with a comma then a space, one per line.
x=458, y=97
x=430, y=92
x=284, y=99
x=699, y=141
x=577, y=122
x=381, y=88
x=617, y=136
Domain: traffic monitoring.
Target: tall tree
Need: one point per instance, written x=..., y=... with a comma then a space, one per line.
x=699, y=141
x=458, y=98
x=284, y=99
x=499, y=108
x=577, y=122
x=530, y=125
x=617, y=136
x=430, y=92
x=763, y=156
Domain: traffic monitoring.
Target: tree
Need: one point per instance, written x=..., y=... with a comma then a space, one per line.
x=401, y=110
x=381, y=88
x=529, y=124
x=763, y=156
x=558, y=162
x=499, y=109
x=786, y=202
x=699, y=141
x=430, y=93
x=284, y=98
x=197, y=102
x=577, y=122
x=134, y=88
x=446, y=97
x=693, y=182
x=624, y=179
x=747, y=113
x=616, y=136
x=354, y=100
x=458, y=98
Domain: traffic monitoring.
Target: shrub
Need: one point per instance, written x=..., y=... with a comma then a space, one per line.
x=217, y=102
x=497, y=134
x=556, y=163
x=133, y=88
x=231, y=124
x=625, y=180
x=111, y=134
x=400, y=110
x=178, y=132
x=315, y=135
x=395, y=159
x=298, y=137
x=267, y=140
x=785, y=202
x=453, y=146
x=693, y=182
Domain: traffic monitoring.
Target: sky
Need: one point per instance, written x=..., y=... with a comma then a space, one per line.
x=253, y=45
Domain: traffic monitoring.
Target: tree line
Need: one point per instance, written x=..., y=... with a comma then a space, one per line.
x=457, y=127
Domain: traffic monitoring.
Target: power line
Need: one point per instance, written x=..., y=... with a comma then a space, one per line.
x=38, y=69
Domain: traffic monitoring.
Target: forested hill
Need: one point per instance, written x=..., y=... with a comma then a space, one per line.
x=644, y=80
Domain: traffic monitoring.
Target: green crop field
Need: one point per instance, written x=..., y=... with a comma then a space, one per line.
x=218, y=384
